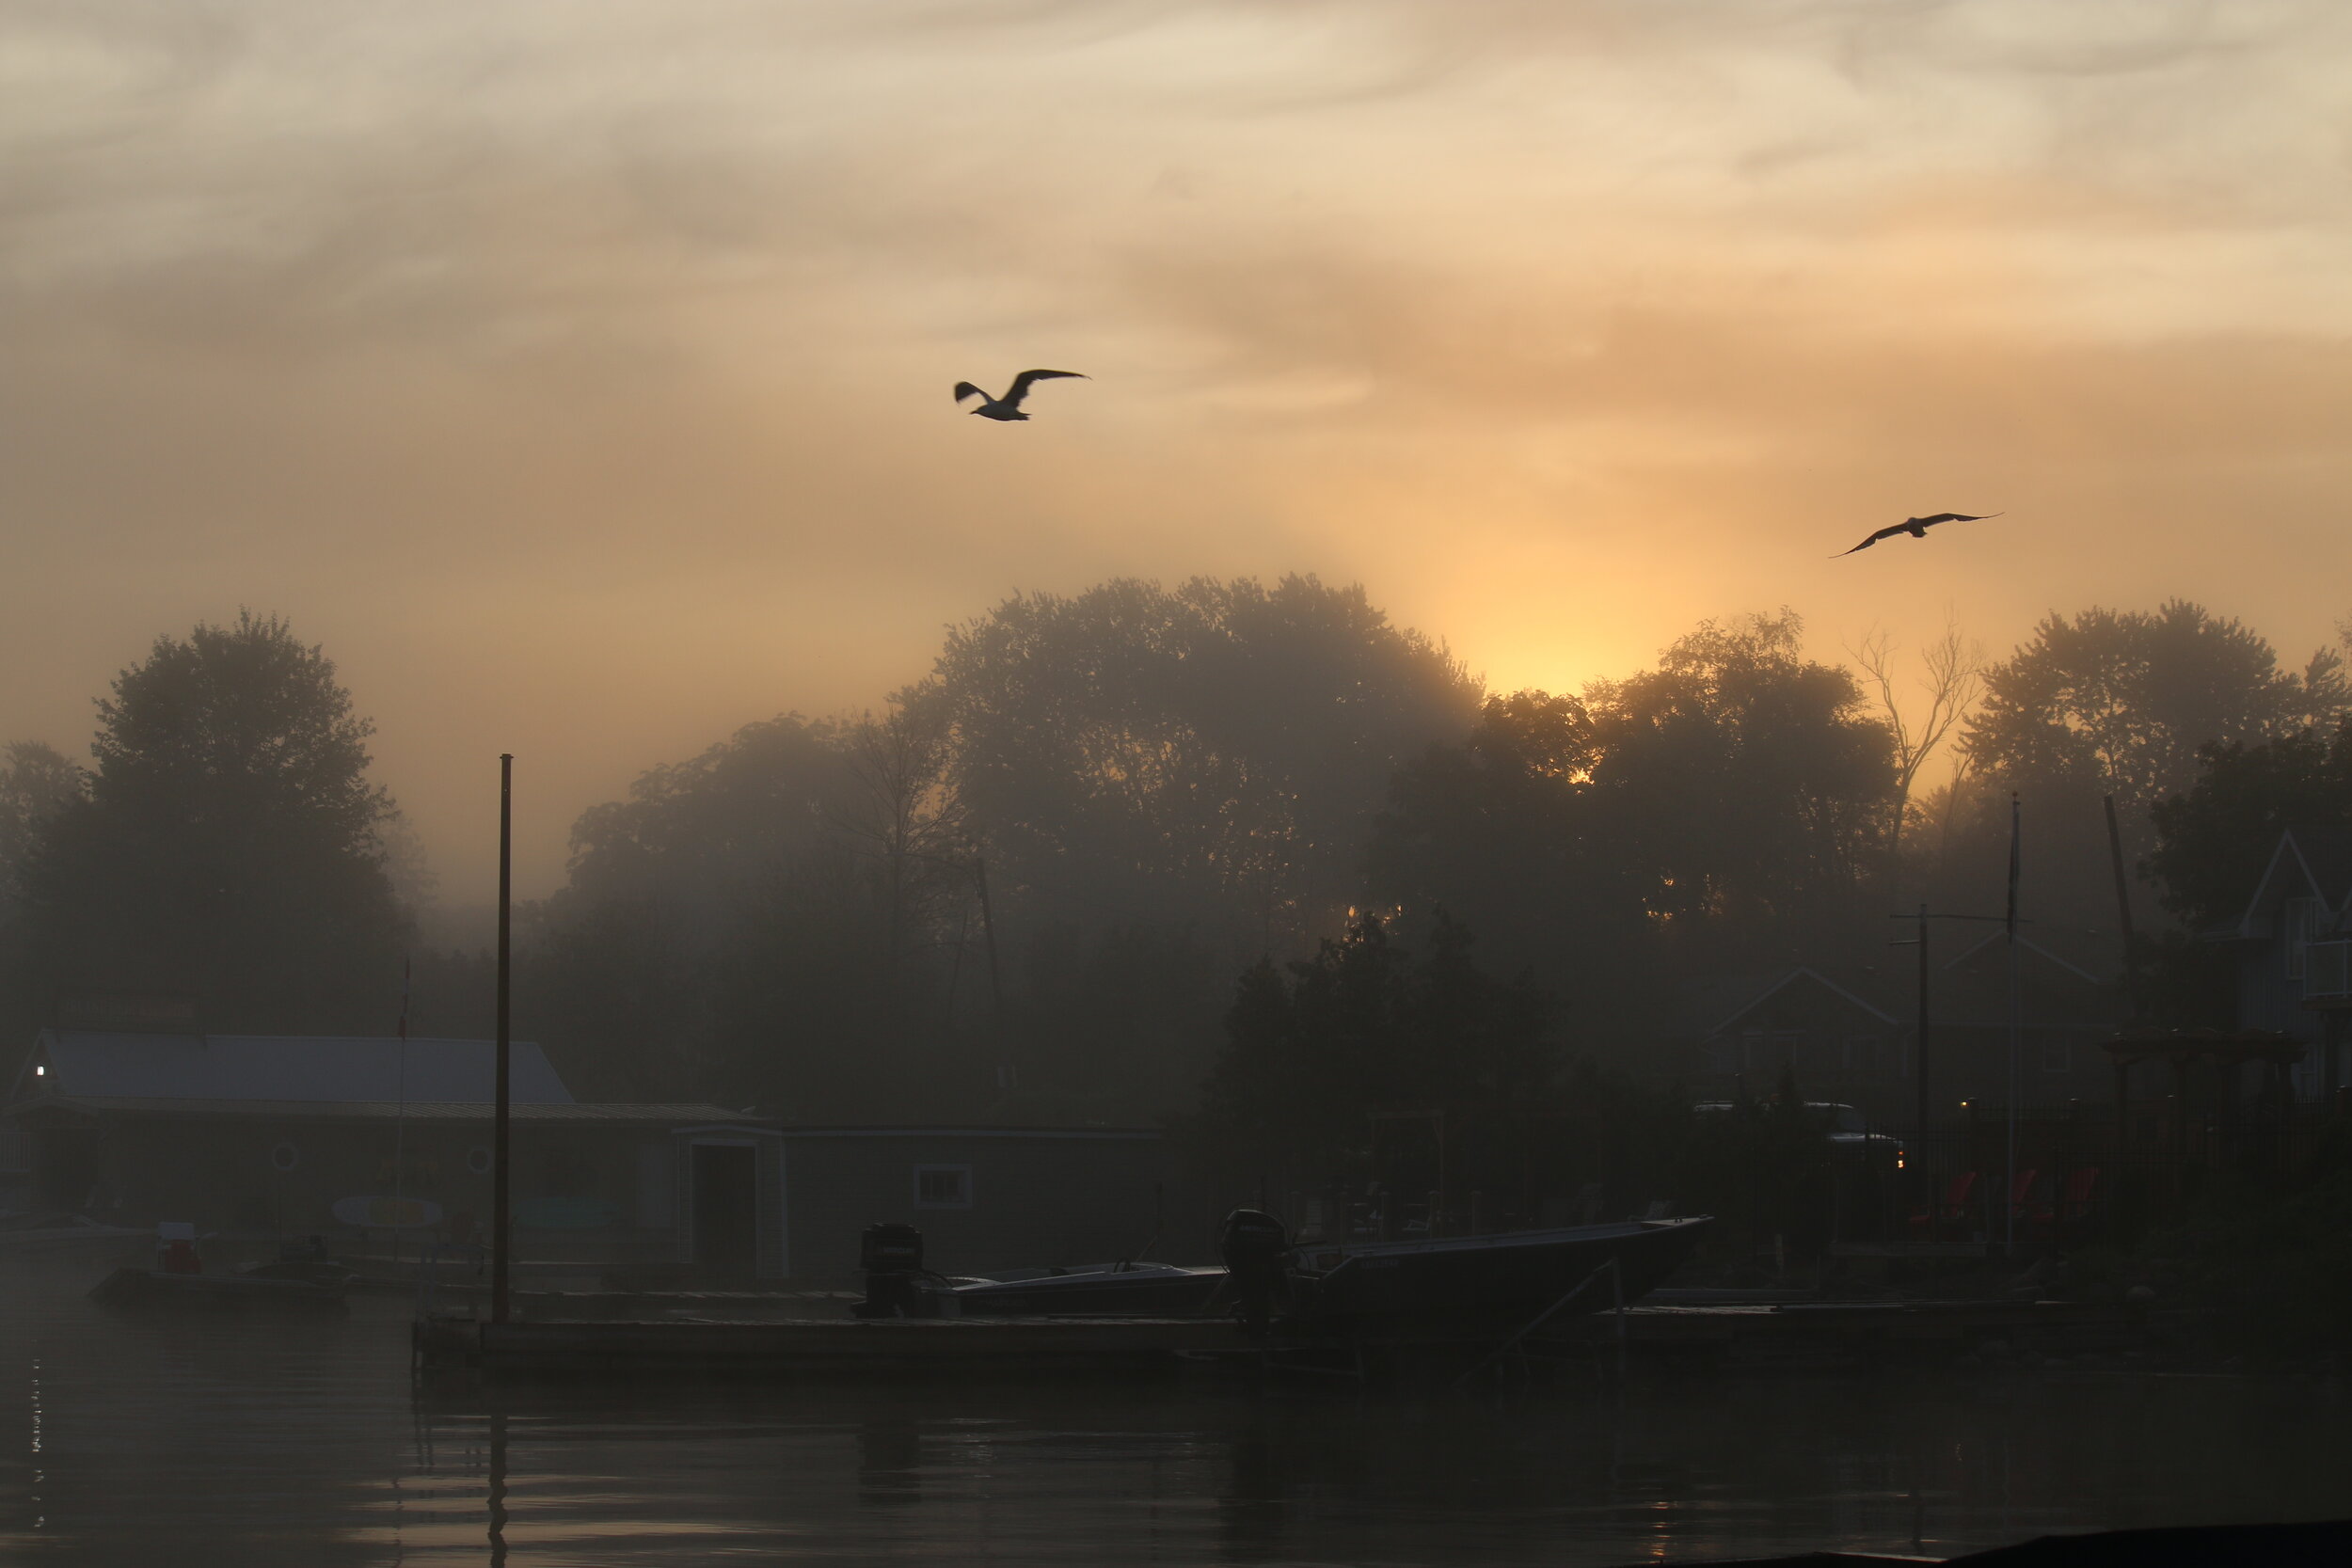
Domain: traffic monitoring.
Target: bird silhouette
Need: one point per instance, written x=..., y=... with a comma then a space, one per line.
x=1916, y=527
x=1008, y=406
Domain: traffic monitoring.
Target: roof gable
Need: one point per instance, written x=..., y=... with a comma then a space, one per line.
x=2024, y=944
x=1764, y=991
x=324, y=1068
x=2307, y=863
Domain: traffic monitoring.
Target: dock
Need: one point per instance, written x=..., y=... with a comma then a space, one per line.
x=1864, y=1331
x=1789, y=1334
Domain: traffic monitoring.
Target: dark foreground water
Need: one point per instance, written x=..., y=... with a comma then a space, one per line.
x=245, y=1442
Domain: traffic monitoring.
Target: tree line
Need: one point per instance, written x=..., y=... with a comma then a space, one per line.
x=1246, y=851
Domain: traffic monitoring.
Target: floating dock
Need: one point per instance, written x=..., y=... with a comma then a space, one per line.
x=1785, y=1333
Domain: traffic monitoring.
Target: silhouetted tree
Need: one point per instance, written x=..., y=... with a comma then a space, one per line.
x=36, y=782
x=760, y=923
x=2121, y=701
x=228, y=841
x=2214, y=840
x=1508, y=829
x=1751, y=786
x=2109, y=702
x=1210, y=755
x=1312, y=1048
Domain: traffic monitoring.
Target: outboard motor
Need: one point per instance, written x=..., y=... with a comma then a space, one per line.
x=891, y=1256
x=1252, y=1243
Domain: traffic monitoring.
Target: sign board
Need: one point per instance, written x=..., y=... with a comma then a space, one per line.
x=387, y=1214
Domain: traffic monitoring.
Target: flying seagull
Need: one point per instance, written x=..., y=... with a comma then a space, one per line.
x=1918, y=527
x=1008, y=406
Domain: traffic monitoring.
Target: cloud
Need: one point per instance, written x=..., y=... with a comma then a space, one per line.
x=578, y=371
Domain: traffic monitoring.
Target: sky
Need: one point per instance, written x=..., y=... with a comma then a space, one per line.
x=577, y=372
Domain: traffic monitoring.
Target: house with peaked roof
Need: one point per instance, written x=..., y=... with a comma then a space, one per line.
x=1853, y=1036
x=2291, y=944
x=1839, y=1036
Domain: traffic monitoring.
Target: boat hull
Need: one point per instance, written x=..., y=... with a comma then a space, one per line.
x=1477, y=1285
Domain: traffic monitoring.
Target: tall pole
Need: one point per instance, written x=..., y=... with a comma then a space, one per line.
x=400, y=1117
x=502, y=1150
x=2009, y=1198
x=1921, y=1063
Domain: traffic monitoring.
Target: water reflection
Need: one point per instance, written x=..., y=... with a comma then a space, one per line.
x=228, y=1442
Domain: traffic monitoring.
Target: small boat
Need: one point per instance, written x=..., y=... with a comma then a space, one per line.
x=162, y=1288
x=302, y=1276
x=1475, y=1283
x=1470, y=1284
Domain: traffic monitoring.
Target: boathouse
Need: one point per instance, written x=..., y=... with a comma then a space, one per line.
x=265, y=1134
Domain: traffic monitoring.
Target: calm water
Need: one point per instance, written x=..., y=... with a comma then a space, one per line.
x=252, y=1442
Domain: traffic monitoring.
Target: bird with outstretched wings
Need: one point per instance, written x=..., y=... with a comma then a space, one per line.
x=1008, y=406
x=1918, y=527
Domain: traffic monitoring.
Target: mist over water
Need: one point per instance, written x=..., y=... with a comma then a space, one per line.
x=249, y=1441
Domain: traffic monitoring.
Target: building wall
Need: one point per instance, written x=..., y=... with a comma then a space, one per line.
x=1033, y=1199
x=224, y=1173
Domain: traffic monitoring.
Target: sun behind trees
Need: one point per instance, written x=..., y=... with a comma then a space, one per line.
x=1024, y=891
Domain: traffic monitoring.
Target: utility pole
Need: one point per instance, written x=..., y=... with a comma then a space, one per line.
x=2009, y=1199
x=1920, y=1088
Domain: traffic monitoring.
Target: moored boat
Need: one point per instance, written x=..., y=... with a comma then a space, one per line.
x=1475, y=1284
x=1449, y=1285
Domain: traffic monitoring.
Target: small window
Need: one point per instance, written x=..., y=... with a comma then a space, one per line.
x=478, y=1160
x=284, y=1157
x=943, y=1186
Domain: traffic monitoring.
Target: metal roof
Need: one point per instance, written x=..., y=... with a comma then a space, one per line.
x=383, y=1110
x=82, y=1063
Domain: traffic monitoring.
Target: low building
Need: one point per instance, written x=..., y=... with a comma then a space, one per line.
x=266, y=1133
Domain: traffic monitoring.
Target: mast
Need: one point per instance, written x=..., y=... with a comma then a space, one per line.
x=502, y=1150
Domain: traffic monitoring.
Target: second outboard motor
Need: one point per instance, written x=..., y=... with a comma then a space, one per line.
x=891, y=1255
x=1252, y=1243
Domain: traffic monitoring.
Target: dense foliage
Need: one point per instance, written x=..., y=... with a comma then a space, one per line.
x=1024, y=891
x=228, y=843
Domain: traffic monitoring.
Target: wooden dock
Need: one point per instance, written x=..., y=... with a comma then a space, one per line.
x=1792, y=1333
x=1865, y=1331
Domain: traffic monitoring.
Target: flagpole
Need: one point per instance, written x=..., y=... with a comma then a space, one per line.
x=2009, y=1223
x=400, y=1115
